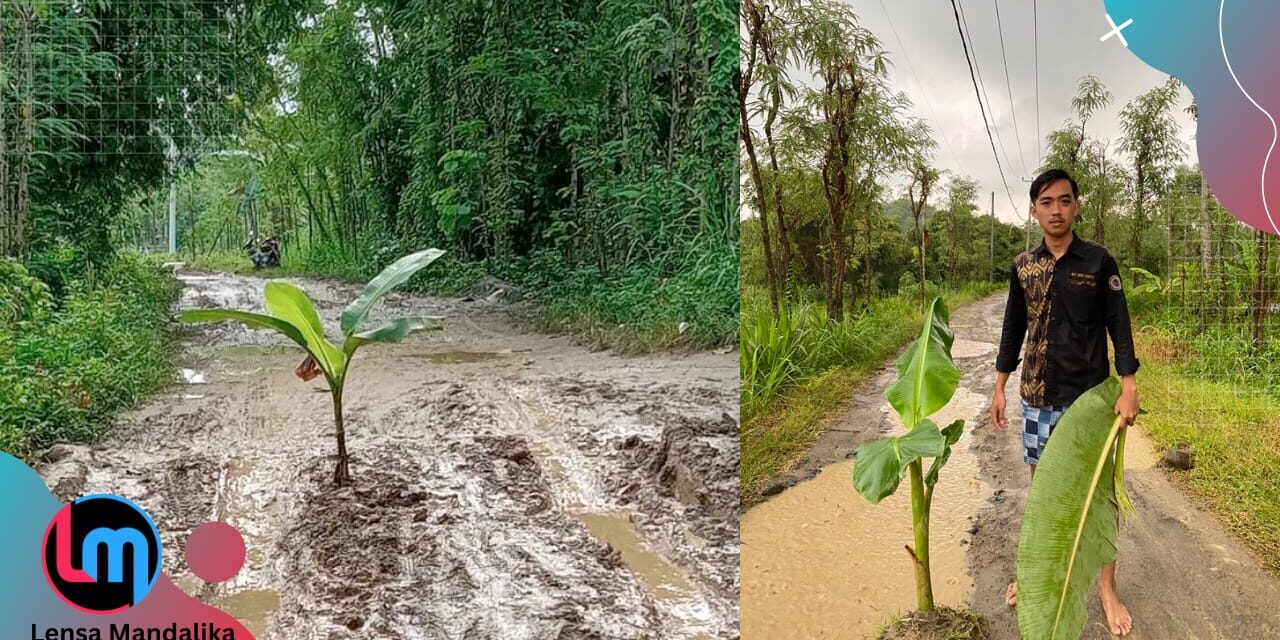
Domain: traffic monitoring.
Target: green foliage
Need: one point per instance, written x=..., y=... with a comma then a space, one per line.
x=806, y=344
x=24, y=299
x=119, y=87
x=59, y=266
x=1070, y=525
x=1230, y=425
x=602, y=135
x=65, y=373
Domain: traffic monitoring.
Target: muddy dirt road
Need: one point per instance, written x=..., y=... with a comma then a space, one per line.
x=819, y=562
x=507, y=484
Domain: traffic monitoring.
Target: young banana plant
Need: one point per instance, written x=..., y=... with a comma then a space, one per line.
x=292, y=313
x=927, y=379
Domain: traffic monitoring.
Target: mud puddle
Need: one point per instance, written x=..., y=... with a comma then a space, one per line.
x=613, y=516
x=663, y=579
x=819, y=561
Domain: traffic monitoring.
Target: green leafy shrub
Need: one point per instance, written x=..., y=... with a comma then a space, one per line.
x=106, y=348
x=60, y=266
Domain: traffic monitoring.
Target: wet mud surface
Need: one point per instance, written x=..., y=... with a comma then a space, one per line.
x=845, y=572
x=506, y=484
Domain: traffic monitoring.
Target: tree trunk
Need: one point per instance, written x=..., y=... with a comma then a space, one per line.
x=991, y=246
x=1169, y=241
x=1135, y=234
x=754, y=24
x=783, y=278
x=19, y=201
x=868, y=273
x=763, y=213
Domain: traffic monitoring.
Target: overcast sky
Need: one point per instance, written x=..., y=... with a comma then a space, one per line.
x=1068, y=49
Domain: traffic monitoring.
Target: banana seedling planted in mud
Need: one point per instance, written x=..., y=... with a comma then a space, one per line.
x=293, y=314
x=927, y=378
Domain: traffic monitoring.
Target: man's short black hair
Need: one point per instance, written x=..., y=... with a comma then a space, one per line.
x=1049, y=177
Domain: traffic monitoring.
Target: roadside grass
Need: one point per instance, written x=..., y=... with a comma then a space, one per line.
x=1234, y=430
x=798, y=374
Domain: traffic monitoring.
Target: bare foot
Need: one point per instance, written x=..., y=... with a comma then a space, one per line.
x=1118, y=620
x=1011, y=594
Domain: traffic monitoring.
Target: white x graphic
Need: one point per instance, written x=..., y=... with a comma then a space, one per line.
x=1115, y=31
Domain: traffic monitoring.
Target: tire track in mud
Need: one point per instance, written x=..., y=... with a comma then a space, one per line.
x=1180, y=573
x=507, y=484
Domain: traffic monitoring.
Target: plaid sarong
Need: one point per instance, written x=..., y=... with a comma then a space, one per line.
x=1037, y=425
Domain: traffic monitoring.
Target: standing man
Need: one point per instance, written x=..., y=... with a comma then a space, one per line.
x=1065, y=296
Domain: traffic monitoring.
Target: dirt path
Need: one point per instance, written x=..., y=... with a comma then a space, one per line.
x=507, y=484
x=819, y=562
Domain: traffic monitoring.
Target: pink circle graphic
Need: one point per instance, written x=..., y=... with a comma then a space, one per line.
x=215, y=552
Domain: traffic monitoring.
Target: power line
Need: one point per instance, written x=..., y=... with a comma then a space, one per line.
x=983, y=86
x=1009, y=86
x=938, y=121
x=1035, y=30
x=973, y=76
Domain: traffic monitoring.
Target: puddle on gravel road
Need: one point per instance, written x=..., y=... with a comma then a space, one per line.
x=253, y=608
x=663, y=578
x=819, y=561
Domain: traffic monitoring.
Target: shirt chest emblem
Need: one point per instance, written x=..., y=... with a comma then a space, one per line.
x=1083, y=279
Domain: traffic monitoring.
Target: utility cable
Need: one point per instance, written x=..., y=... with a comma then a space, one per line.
x=973, y=76
x=1009, y=86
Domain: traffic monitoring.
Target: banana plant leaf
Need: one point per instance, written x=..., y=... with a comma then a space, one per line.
x=880, y=463
x=290, y=304
x=927, y=378
x=390, y=332
x=1069, y=526
x=393, y=276
x=951, y=434
x=247, y=318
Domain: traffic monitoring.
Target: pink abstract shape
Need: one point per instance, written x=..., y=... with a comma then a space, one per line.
x=215, y=552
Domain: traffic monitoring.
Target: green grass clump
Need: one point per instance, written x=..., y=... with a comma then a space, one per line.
x=104, y=347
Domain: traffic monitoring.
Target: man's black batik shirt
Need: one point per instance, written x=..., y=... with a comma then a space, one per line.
x=1065, y=308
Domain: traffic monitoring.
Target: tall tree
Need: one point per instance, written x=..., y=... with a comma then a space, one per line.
x=923, y=178
x=1150, y=139
x=1206, y=224
x=1071, y=148
x=849, y=64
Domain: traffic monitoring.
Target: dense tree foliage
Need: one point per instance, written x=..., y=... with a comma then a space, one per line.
x=581, y=140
